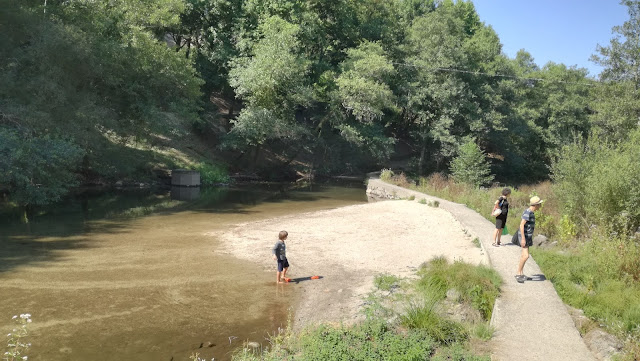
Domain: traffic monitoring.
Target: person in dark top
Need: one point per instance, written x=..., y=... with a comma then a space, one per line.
x=280, y=254
x=501, y=220
x=524, y=236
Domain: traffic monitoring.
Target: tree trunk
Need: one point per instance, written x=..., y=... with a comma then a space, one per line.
x=255, y=155
x=423, y=152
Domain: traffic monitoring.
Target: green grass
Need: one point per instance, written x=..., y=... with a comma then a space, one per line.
x=423, y=316
x=483, y=331
x=478, y=285
x=601, y=275
x=418, y=331
x=211, y=174
x=592, y=283
x=476, y=242
x=386, y=282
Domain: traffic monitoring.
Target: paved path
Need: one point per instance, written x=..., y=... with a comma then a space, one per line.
x=531, y=321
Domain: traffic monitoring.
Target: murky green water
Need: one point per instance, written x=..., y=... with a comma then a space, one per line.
x=132, y=275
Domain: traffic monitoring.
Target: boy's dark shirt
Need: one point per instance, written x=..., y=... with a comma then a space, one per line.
x=280, y=250
x=530, y=224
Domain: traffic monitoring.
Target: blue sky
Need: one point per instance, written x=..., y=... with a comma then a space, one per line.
x=562, y=31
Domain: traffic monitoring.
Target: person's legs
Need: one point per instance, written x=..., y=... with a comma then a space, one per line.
x=285, y=266
x=524, y=256
x=279, y=274
x=495, y=236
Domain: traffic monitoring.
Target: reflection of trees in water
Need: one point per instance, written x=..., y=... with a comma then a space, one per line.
x=98, y=203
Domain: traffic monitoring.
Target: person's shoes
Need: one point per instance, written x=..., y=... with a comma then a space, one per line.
x=495, y=244
x=521, y=278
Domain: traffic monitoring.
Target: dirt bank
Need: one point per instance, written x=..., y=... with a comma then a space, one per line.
x=347, y=247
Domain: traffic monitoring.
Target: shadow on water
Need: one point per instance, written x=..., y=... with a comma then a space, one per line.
x=61, y=226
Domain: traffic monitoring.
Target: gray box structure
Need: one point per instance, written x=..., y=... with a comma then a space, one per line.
x=185, y=178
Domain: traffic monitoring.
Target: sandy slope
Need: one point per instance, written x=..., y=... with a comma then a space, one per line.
x=347, y=247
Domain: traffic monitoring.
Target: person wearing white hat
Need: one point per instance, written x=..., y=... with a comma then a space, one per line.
x=524, y=235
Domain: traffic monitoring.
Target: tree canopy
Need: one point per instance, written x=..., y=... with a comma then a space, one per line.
x=339, y=86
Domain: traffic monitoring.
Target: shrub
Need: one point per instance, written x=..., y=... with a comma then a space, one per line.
x=386, y=175
x=372, y=340
x=567, y=229
x=471, y=166
x=37, y=170
x=597, y=183
x=212, y=173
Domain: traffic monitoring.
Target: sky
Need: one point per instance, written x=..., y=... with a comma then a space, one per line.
x=562, y=31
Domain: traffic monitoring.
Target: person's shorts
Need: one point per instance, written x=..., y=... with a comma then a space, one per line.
x=501, y=222
x=282, y=264
x=516, y=240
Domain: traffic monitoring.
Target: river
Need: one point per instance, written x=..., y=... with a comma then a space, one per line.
x=132, y=275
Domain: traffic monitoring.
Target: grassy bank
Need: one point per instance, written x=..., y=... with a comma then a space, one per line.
x=594, y=270
x=405, y=320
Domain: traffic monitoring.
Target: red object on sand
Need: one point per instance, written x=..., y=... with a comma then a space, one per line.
x=287, y=279
x=315, y=277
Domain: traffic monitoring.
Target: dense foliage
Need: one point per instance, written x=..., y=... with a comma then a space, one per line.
x=313, y=86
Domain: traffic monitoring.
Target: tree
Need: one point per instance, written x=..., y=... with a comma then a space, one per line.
x=621, y=59
x=438, y=99
x=37, y=170
x=616, y=100
x=93, y=75
x=470, y=165
x=362, y=87
x=272, y=82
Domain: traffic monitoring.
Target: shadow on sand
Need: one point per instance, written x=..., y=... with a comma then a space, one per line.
x=302, y=279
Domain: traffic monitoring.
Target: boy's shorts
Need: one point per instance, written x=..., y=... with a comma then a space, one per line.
x=282, y=264
x=516, y=240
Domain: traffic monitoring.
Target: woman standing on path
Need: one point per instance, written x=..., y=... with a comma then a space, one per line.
x=501, y=220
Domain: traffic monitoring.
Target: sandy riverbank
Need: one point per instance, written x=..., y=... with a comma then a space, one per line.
x=347, y=247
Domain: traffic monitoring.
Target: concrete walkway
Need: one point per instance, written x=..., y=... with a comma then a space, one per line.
x=531, y=321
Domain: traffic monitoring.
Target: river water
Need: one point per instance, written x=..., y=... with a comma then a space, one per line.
x=132, y=275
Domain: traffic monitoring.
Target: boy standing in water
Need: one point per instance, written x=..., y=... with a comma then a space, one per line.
x=524, y=236
x=280, y=254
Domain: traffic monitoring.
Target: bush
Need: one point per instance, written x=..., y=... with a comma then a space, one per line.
x=37, y=170
x=372, y=340
x=211, y=174
x=597, y=183
x=471, y=166
x=386, y=175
